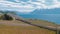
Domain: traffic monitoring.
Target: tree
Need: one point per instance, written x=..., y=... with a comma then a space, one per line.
x=5, y=15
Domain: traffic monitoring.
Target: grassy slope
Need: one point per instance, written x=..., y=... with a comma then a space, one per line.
x=7, y=29
x=43, y=22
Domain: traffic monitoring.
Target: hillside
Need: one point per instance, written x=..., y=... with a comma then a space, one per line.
x=42, y=22
x=18, y=27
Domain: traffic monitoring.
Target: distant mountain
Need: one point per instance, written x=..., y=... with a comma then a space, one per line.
x=43, y=11
x=47, y=11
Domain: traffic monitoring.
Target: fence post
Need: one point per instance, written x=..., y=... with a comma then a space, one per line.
x=58, y=29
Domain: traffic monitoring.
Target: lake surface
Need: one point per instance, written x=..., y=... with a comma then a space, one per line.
x=49, y=17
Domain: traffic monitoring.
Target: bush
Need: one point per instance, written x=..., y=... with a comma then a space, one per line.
x=5, y=17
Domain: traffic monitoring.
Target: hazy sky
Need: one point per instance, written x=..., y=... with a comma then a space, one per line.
x=27, y=6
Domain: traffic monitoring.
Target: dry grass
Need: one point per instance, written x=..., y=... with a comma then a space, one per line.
x=42, y=22
x=24, y=30
x=7, y=29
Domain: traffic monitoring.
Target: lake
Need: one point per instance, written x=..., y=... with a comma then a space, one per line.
x=49, y=17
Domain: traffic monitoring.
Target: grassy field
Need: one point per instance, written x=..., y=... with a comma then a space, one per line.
x=8, y=29
x=42, y=22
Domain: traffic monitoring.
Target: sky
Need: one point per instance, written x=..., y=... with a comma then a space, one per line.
x=42, y=9
x=27, y=6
